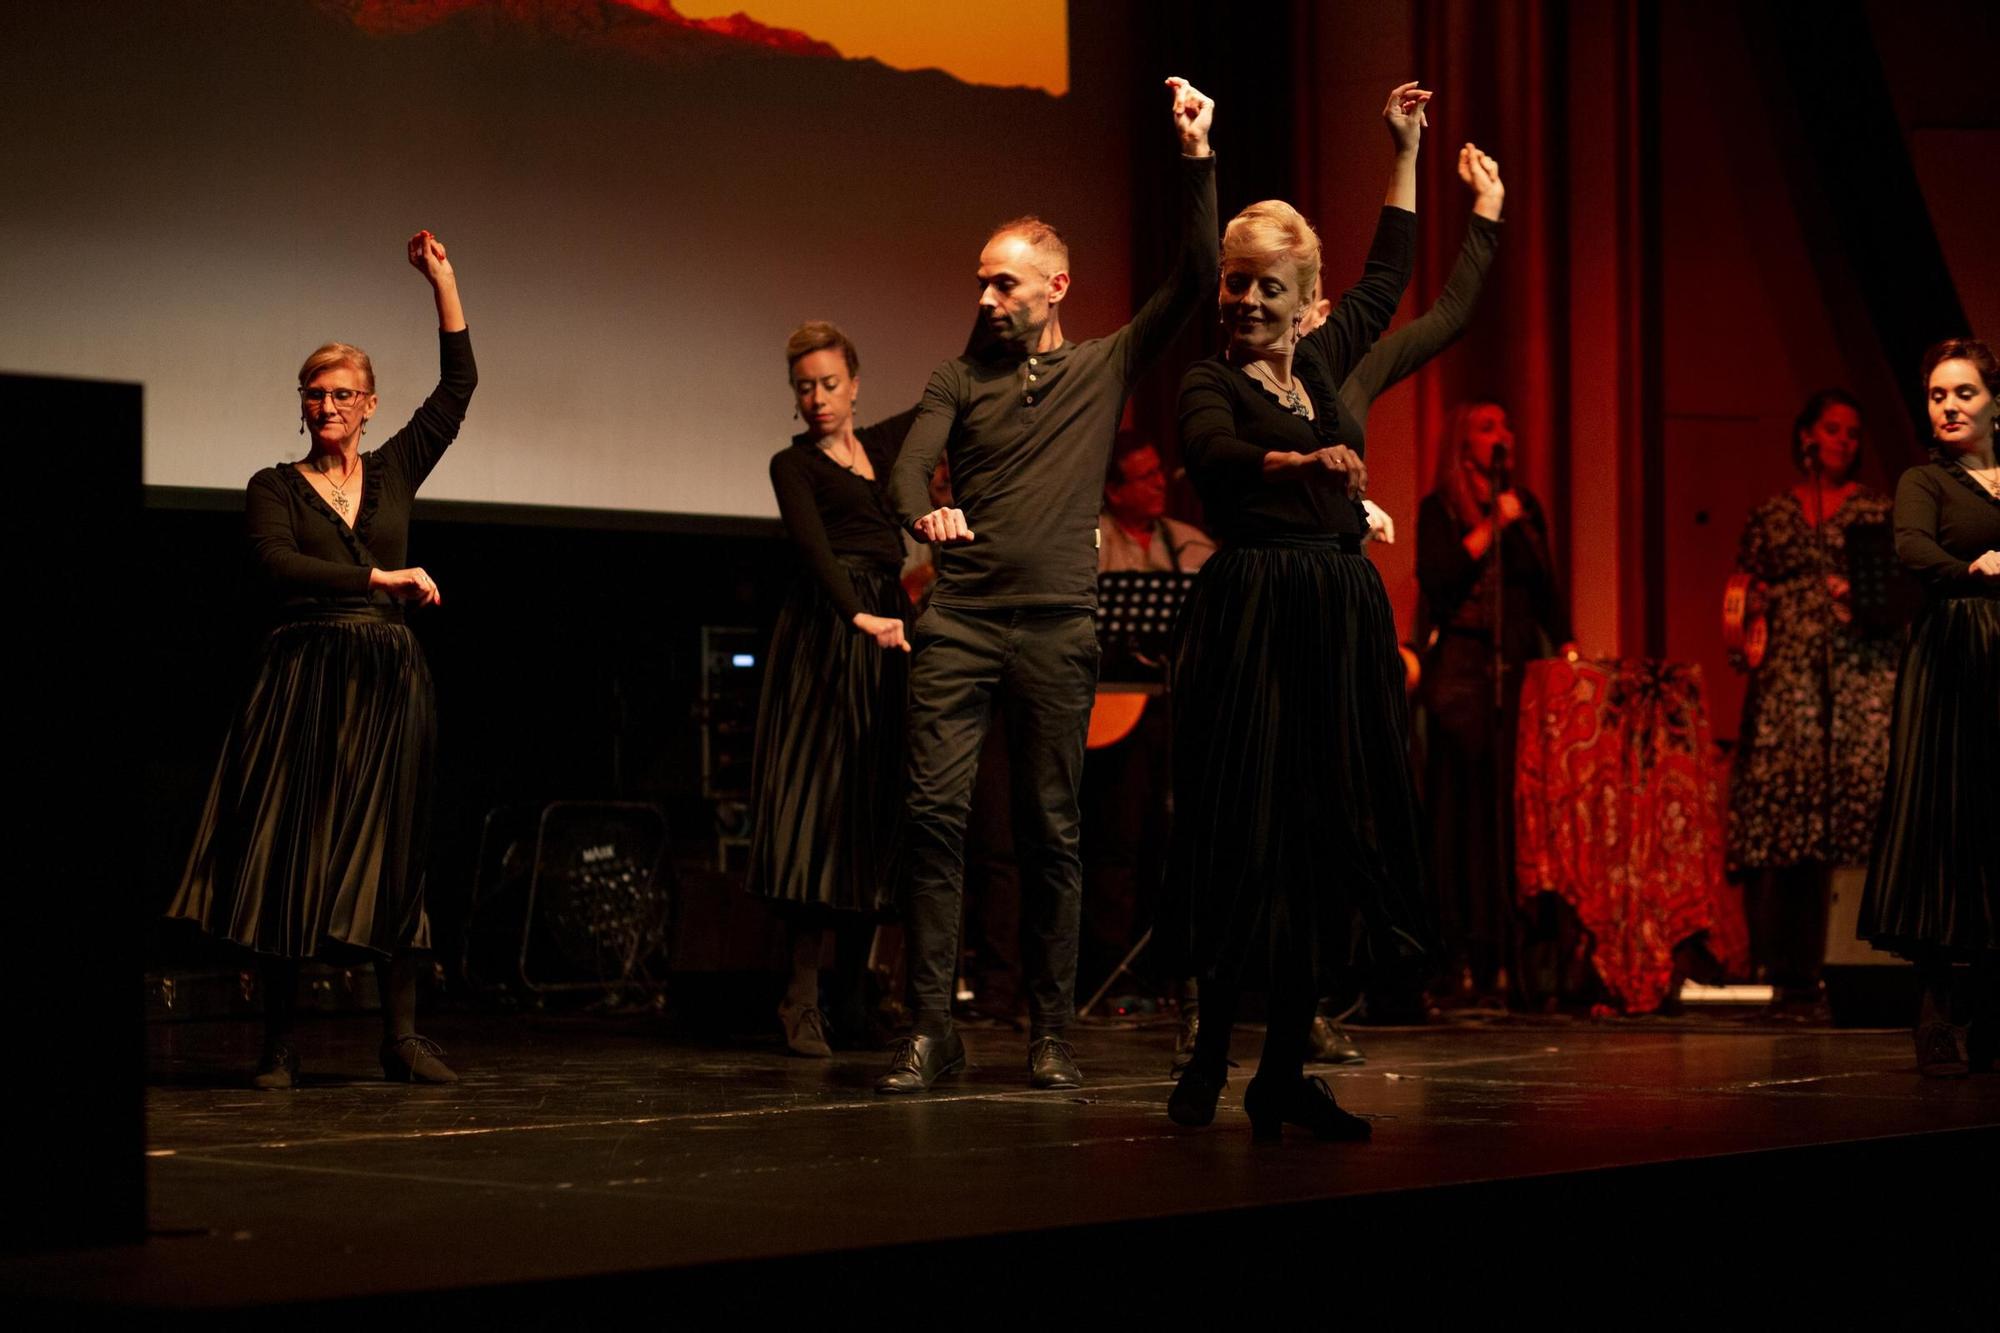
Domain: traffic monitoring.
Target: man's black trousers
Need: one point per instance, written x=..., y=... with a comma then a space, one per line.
x=1042, y=663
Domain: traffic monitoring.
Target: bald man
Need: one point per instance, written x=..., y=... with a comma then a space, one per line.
x=1029, y=418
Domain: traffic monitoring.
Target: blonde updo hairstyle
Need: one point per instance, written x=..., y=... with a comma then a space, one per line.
x=338, y=354
x=1270, y=232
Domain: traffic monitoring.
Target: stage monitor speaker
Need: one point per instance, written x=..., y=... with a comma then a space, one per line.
x=1864, y=986
x=571, y=896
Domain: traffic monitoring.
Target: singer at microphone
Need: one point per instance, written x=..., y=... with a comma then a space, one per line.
x=1483, y=563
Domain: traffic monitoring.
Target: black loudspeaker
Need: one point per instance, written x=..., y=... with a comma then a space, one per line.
x=1864, y=988
x=76, y=742
x=571, y=896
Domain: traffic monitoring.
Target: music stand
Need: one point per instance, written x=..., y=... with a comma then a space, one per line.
x=1136, y=611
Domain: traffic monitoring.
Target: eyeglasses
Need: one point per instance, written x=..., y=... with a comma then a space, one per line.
x=341, y=397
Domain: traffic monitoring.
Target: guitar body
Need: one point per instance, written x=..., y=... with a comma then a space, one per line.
x=1744, y=629
x=1113, y=716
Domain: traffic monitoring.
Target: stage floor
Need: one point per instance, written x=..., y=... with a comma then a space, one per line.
x=576, y=1149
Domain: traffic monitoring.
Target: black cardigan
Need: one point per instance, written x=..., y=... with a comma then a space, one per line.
x=833, y=515
x=307, y=553
x=1229, y=422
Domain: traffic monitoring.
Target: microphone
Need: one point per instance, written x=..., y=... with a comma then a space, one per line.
x=1499, y=470
x=1811, y=456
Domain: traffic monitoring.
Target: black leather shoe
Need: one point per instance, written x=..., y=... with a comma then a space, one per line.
x=1052, y=1064
x=805, y=1031
x=1192, y=1102
x=277, y=1068
x=1330, y=1044
x=1939, y=1053
x=414, y=1059
x=919, y=1062
x=1304, y=1101
x=1184, y=1039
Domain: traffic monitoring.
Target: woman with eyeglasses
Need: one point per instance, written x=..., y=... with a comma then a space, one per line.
x=313, y=840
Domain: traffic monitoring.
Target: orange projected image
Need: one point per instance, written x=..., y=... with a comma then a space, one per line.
x=1019, y=43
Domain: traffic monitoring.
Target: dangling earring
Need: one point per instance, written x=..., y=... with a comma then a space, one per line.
x=302, y=425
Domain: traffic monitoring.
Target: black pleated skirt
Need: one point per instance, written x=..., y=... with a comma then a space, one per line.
x=1934, y=876
x=314, y=836
x=1296, y=836
x=830, y=767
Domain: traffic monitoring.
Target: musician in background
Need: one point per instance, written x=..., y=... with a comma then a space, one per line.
x=1124, y=795
x=1483, y=553
x=1134, y=532
x=1814, y=742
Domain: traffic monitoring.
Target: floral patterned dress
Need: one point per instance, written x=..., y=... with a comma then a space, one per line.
x=1781, y=812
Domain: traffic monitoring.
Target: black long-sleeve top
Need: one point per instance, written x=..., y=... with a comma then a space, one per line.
x=1401, y=354
x=1458, y=590
x=833, y=515
x=307, y=552
x=1229, y=421
x=1944, y=521
x=1030, y=435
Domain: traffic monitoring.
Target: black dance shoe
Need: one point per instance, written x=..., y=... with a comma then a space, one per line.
x=414, y=1059
x=1330, y=1044
x=1939, y=1052
x=920, y=1061
x=1190, y=1028
x=277, y=1068
x=805, y=1031
x=1303, y=1101
x=1192, y=1102
x=1052, y=1064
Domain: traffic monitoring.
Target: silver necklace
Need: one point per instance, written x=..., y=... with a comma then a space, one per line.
x=1293, y=401
x=340, y=501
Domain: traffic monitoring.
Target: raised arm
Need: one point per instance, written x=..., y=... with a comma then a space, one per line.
x=1401, y=354
x=1404, y=115
x=415, y=449
x=910, y=476
x=1197, y=266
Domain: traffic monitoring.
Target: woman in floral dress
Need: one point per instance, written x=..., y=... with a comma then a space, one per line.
x=1802, y=800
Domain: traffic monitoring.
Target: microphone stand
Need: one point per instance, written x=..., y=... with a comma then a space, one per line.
x=1500, y=480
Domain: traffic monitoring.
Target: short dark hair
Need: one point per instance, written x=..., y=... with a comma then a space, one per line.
x=816, y=335
x=1123, y=447
x=1809, y=416
x=1043, y=239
